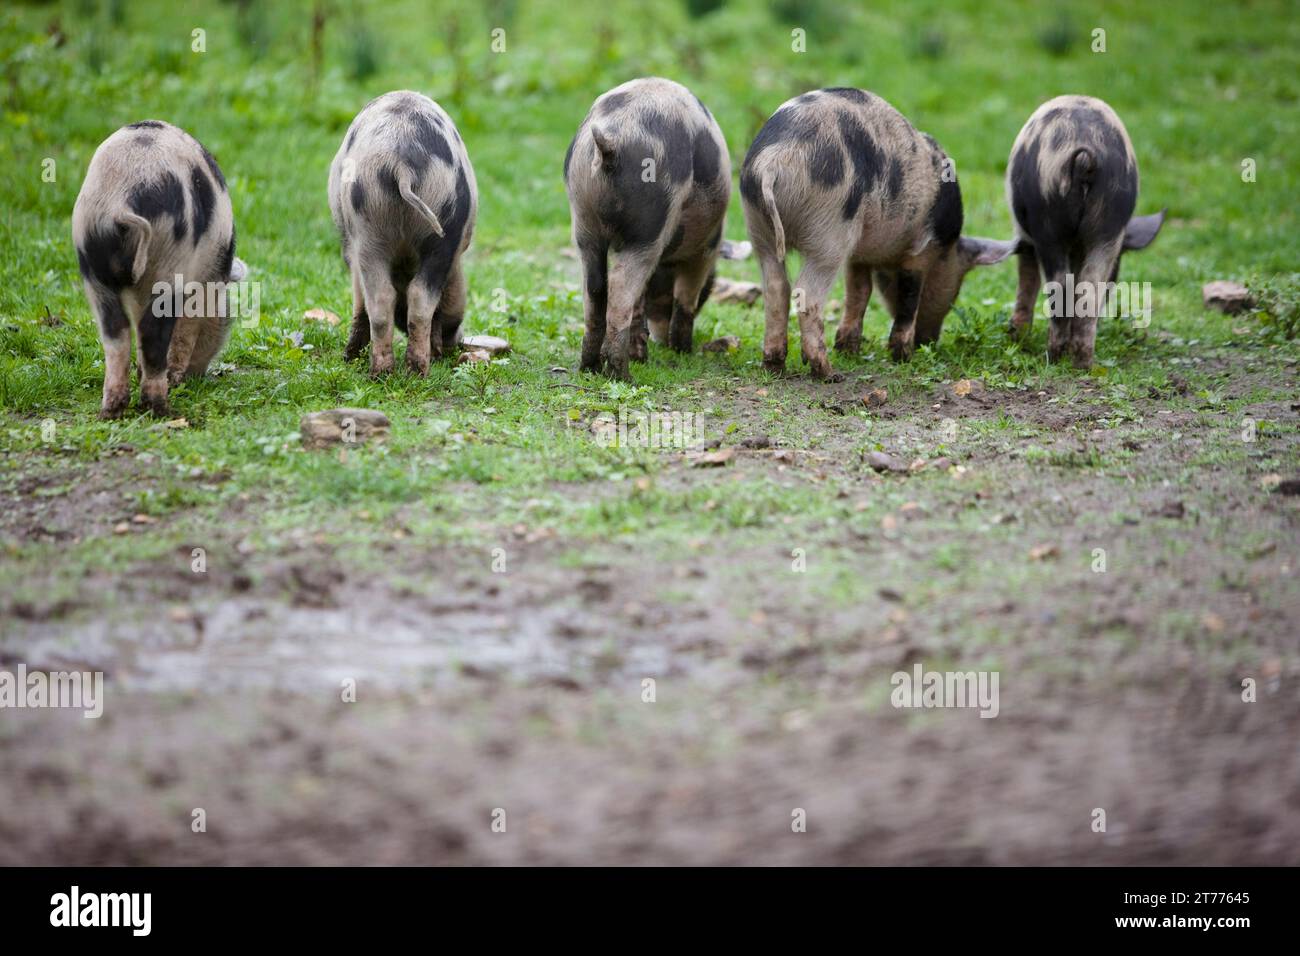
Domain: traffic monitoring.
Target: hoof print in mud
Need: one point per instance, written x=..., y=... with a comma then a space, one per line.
x=343, y=426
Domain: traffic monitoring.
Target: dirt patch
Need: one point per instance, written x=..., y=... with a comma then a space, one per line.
x=769, y=690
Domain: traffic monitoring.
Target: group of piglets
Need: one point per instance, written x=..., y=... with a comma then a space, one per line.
x=837, y=175
x=841, y=177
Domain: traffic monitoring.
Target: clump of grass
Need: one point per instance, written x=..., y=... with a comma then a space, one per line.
x=931, y=43
x=1278, y=303
x=697, y=9
x=1058, y=36
x=818, y=17
x=363, y=52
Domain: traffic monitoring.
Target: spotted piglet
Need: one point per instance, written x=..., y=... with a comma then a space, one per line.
x=648, y=178
x=154, y=206
x=1072, y=184
x=843, y=178
x=404, y=198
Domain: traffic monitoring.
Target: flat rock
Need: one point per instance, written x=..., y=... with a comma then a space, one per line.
x=1228, y=297
x=714, y=459
x=321, y=315
x=492, y=344
x=343, y=426
x=880, y=461
x=728, y=343
x=728, y=290
x=735, y=250
x=876, y=397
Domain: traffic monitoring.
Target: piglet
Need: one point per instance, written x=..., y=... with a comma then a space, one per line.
x=403, y=196
x=1072, y=184
x=843, y=178
x=648, y=178
x=152, y=223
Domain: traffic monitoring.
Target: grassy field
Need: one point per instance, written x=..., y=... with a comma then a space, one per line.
x=521, y=686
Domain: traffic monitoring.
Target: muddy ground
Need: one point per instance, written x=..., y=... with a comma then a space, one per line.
x=523, y=691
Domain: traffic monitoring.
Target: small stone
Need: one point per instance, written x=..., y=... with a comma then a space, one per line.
x=474, y=356
x=735, y=250
x=1227, y=297
x=1171, y=509
x=1043, y=552
x=343, y=426
x=876, y=397
x=756, y=441
x=728, y=290
x=880, y=461
x=492, y=344
x=714, y=459
x=964, y=387
x=728, y=343
x=1289, y=486
x=321, y=315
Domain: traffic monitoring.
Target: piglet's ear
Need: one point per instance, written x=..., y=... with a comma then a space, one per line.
x=985, y=252
x=1142, y=229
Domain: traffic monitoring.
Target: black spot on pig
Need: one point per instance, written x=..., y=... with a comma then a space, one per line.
x=707, y=290
x=848, y=93
x=203, y=199
x=226, y=259
x=429, y=139
x=612, y=102
x=352, y=138
x=213, y=168
x=358, y=194
x=785, y=124
x=894, y=184
x=674, y=241
x=568, y=153
x=751, y=190
x=387, y=178
x=676, y=142
x=155, y=334
x=633, y=210
x=144, y=141
x=106, y=258
x=826, y=164
x=146, y=124
x=945, y=216
x=163, y=196
x=111, y=315
x=866, y=157
x=437, y=253
x=707, y=161
x=704, y=109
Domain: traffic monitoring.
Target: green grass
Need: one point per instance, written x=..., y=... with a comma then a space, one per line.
x=1201, y=86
